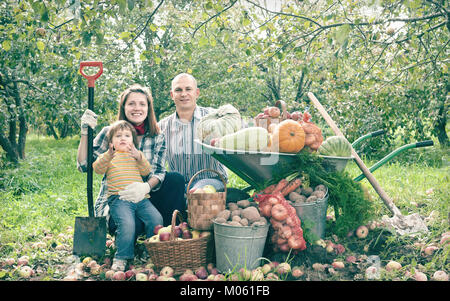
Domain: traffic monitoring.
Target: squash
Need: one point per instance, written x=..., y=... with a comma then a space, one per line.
x=336, y=146
x=288, y=137
x=249, y=139
x=218, y=123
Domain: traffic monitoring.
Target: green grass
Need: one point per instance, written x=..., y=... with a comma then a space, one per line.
x=46, y=192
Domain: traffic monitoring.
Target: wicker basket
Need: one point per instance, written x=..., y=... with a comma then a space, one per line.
x=181, y=254
x=266, y=122
x=203, y=207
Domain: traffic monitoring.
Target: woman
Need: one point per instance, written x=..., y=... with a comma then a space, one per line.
x=166, y=189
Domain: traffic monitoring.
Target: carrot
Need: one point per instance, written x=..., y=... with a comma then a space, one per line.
x=280, y=185
x=294, y=184
x=269, y=189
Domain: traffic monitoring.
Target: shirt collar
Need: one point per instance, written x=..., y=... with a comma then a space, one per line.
x=196, y=117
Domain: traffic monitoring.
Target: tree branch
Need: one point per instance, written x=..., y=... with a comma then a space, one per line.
x=134, y=39
x=213, y=16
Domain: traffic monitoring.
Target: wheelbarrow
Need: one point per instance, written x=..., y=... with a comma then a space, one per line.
x=401, y=224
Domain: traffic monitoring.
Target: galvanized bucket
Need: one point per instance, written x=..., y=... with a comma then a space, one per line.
x=314, y=214
x=239, y=247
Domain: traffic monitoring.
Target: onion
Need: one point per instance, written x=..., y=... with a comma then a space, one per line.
x=279, y=212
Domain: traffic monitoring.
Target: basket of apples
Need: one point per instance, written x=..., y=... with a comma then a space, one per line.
x=205, y=203
x=179, y=246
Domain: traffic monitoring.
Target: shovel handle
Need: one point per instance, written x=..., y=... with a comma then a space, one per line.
x=386, y=199
x=91, y=78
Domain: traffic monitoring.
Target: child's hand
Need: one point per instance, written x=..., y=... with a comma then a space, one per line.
x=111, y=150
x=134, y=152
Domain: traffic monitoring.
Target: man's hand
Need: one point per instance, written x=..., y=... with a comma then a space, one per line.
x=135, y=192
x=89, y=119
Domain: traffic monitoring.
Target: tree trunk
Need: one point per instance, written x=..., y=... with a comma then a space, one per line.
x=11, y=152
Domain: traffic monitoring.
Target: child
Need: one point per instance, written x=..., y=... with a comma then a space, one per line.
x=123, y=164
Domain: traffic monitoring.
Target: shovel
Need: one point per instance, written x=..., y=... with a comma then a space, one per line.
x=410, y=224
x=90, y=232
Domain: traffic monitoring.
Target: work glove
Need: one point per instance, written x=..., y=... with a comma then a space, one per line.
x=89, y=119
x=135, y=192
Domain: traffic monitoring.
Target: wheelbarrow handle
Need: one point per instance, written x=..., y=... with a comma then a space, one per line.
x=91, y=78
x=425, y=143
x=370, y=135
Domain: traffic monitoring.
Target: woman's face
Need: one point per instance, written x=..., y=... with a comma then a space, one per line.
x=122, y=140
x=136, y=108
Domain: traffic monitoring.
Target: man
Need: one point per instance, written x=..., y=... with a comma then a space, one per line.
x=183, y=155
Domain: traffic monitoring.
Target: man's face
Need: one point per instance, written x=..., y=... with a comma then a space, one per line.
x=184, y=93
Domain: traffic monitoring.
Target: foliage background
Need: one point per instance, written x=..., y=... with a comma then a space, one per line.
x=374, y=64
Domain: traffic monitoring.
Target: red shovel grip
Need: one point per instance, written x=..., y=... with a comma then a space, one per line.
x=91, y=78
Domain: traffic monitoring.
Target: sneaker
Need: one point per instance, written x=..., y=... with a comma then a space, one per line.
x=119, y=264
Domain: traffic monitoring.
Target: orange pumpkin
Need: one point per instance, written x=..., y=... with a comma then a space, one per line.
x=288, y=137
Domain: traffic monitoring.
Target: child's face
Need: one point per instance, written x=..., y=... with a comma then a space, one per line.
x=122, y=140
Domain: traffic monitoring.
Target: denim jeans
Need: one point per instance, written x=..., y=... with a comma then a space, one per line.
x=125, y=215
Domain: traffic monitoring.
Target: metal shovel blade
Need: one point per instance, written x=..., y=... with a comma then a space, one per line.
x=89, y=236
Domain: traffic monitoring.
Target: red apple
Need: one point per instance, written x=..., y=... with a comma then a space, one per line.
x=119, y=275
x=178, y=231
x=296, y=115
x=297, y=272
x=201, y=273
x=184, y=226
x=129, y=274
x=156, y=229
x=187, y=234
x=164, y=236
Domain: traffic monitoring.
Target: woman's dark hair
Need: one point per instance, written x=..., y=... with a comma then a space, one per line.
x=151, y=124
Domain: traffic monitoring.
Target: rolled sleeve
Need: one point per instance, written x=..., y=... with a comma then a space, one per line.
x=99, y=146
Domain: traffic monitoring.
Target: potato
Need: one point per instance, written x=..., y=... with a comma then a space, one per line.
x=234, y=223
x=236, y=212
x=307, y=191
x=320, y=187
x=311, y=199
x=220, y=220
x=251, y=214
x=236, y=218
x=319, y=194
x=244, y=222
x=301, y=199
x=232, y=206
x=293, y=196
x=225, y=214
x=243, y=203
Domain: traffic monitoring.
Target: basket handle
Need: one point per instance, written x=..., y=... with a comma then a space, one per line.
x=282, y=105
x=204, y=170
x=174, y=222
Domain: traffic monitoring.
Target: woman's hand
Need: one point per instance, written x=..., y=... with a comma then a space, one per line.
x=89, y=119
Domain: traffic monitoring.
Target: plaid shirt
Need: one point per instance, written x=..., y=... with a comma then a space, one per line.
x=185, y=156
x=154, y=149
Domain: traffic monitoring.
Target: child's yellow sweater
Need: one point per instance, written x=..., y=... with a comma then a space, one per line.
x=121, y=170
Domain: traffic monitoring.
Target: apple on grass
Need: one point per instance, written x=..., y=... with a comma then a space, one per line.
x=362, y=232
x=166, y=271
